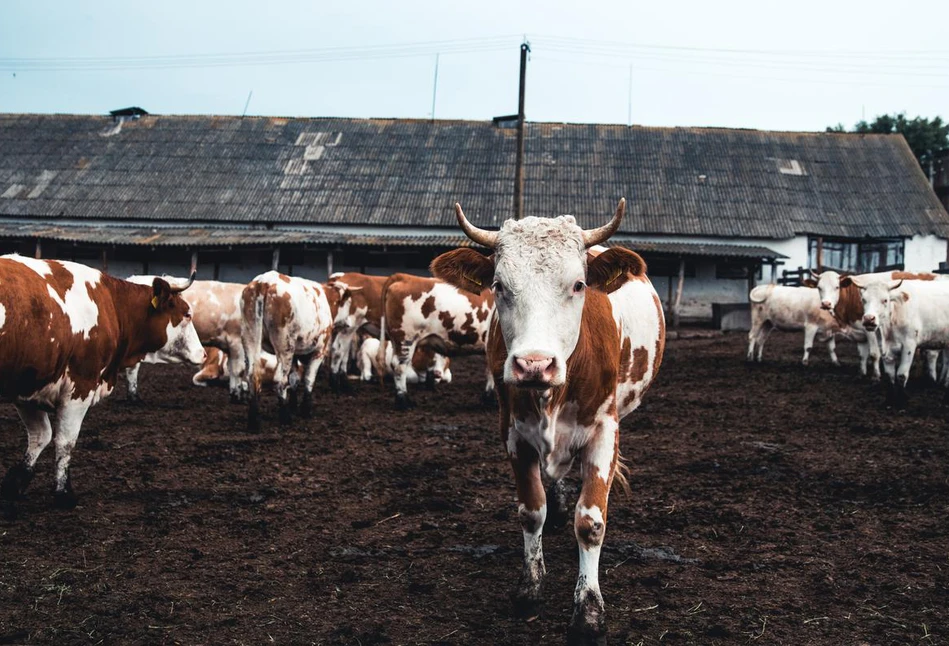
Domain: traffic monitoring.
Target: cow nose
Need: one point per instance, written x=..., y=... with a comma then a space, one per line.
x=534, y=367
x=825, y=305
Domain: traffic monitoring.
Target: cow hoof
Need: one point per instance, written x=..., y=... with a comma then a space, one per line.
x=527, y=603
x=284, y=415
x=488, y=399
x=334, y=382
x=344, y=387
x=15, y=482
x=588, y=625
x=236, y=398
x=65, y=499
x=583, y=636
x=402, y=402
x=306, y=408
x=292, y=400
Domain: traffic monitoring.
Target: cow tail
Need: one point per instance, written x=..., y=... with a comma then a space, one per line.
x=252, y=332
x=759, y=294
x=381, y=352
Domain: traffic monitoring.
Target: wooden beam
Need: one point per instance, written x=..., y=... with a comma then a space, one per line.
x=678, y=298
x=275, y=264
x=194, y=262
x=39, y=249
x=329, y=263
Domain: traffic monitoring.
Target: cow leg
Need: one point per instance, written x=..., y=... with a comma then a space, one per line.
x=532, y=512
x=39, y=432
x=309, y=382
x=488, y=397
x=752, y=342
x=404, y=353
x=863, y=349
x=430, y=380
x=832, y=350
x=874, y=347
x=763, y=331
x=281, y=383
x=339, y=362
x=237, y=375
x=69, y=418
x=131, y=375
x=889, y=369
x=810, y=331
x=932, y=366
x=597, y=467
x=902, y=371
x=557, y=511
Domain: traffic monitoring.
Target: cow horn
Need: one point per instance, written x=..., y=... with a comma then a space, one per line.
x=815, y=275
x=486, y=238
x=601, y=234
x=178, y=290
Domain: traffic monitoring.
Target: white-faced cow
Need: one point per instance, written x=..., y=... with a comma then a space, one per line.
x=216, y=370
x=840, y=297
x=575, y=342
x=360, y=307
x=450, y=320
x=790, y=309
x=426, y=363
x=217, y=320
x=66, y=331
x=910, y=315
x=290, y=317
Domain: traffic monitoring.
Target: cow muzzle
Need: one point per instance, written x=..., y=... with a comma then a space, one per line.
x=825, y=305
x=534, y=370
x=870, y=323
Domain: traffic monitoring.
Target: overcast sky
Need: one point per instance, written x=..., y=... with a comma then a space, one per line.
x=789, y=65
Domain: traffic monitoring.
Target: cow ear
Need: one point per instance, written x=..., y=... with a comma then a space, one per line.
x=809, y=282
x=465, y=268
x=846, y=281
x=611, y=269
x=161, y=293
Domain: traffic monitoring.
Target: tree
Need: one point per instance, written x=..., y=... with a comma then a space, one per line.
x=926, y=138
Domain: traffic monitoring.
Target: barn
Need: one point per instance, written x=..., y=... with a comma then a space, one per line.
x=712, y=210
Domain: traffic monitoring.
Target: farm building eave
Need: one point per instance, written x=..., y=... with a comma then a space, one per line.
x=710, y=182
x=221, y=237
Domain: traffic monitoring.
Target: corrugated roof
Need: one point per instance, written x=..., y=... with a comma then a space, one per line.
x=205, y=237
x=679, y=181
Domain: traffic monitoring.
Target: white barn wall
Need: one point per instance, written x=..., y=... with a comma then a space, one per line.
x=924, y=253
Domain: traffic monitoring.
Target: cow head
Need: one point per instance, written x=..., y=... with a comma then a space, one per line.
x=539, y=275
x=877, y=297
x=828, y=287
x=171, y=334
x=345, y=310
x=441, y=366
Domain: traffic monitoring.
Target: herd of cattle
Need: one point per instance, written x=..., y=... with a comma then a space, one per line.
x=890, y=315
x=573, y=335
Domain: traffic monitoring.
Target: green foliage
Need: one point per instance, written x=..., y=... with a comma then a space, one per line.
x=925, y=137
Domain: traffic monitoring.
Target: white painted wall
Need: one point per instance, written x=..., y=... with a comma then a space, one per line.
x=924, y=253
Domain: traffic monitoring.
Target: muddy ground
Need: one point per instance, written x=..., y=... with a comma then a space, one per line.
x=771, y=504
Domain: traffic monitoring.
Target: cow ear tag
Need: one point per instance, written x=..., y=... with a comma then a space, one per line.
x=155, y=302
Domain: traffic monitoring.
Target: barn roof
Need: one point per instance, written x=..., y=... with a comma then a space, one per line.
x=384, y=172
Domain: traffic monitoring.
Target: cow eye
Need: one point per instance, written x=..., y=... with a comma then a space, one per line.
x=498, y=287
x=578, y=287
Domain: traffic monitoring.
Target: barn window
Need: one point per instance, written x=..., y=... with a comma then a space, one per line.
x=861, y=256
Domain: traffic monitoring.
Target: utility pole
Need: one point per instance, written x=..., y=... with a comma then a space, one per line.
x=435, y=87
x=519, y=164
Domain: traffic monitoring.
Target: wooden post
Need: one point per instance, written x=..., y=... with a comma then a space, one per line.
x=519, y=161
x=678, y=299
x=105, y=261
x=194, y=263
x=752, y=270
x=669, y=297
x=820, y=253
x=39, y=249
x=329, y=263
x=276, y=259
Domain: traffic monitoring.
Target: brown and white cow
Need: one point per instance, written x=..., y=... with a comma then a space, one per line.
x=426, y=363
x=66, y=330
x=216, y=369
x=360, y=307
x=790, y=309
x=841, y=297
x=290, y=317
x=217, y=320
x=428, y=310
x=575, y=342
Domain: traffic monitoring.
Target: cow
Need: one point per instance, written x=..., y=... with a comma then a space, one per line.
x=66, y=330
x=427, y=310
x=360, y=307
x=840, y=297
x=425, y=363
x=292, y=318
x=909, y=314
x=790, y=309
x=217, y=320
x=216, y=369
x=575, y=342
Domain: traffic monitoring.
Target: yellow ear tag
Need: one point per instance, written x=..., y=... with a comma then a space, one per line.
x=155, y=302
x=615, y=275
x=473, y=280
